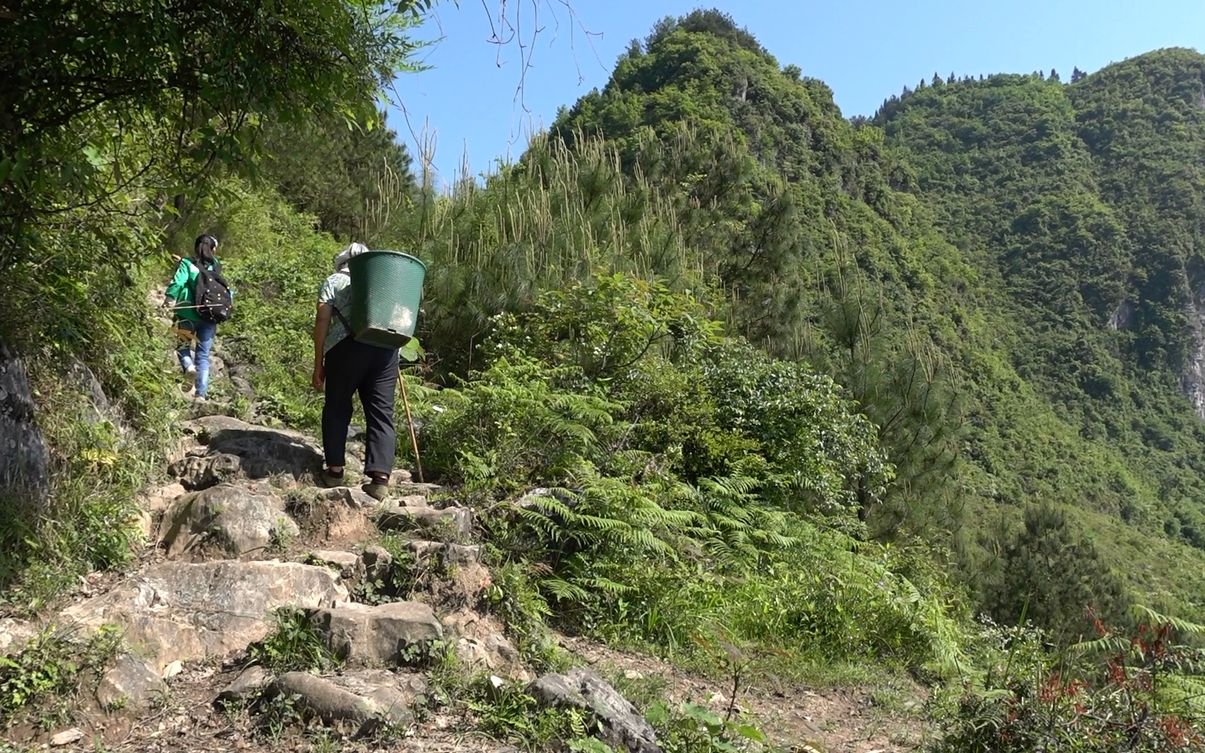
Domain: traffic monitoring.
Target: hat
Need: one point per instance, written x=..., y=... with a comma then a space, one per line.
x=344, y=256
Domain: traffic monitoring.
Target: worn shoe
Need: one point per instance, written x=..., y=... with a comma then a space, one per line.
x=330, y=480
x=376, y=489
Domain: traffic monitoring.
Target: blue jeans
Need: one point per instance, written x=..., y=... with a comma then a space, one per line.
x=199, y=356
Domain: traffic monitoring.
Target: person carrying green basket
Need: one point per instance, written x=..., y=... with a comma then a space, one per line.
x=343, y=367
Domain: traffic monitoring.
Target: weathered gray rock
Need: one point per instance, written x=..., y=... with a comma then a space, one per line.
x=364, y=699
x=131, y=683
x=377, y=563
x=404, y=488
x=152, y=503
x=453, y=523
x=14, y=634
x=201, y=470
x=261, y=451
x=450, y=574
x=246, y=687
x=23, y=452
x=265, y=452
x=66, y=737
x=482, y=645
x=393, y=693
x=444, y=552
x=380, y=634
x=176, y=610
x=412, y=500
x=349, y=565
x=232, y=520
x=332, y=517
x=351, y=497
x=621, y=724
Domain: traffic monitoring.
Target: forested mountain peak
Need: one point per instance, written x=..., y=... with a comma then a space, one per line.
x=975, y=226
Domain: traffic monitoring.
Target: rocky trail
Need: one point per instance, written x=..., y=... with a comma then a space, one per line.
x=242, y=532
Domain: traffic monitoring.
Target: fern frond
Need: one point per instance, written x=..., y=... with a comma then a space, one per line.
x=1150, y=616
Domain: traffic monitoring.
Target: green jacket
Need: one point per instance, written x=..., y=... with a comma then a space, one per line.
x=182, y=290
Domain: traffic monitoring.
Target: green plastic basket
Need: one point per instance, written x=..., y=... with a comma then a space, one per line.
x=386, y=290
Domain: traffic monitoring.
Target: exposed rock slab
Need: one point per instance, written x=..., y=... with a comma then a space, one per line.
x=482, y=645
x=231, y=520
x=621, y=724
x=265, y=452
x=380, y=634
x=131, y=683
x=451, y=523
x=259, y=451
x=181, y=611
x=201, y=470
x=363, y=697
x=14, y=634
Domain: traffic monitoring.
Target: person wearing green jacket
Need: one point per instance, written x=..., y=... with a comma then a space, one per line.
x=194, y=350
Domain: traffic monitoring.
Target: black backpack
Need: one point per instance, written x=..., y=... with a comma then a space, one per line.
x=212, y=294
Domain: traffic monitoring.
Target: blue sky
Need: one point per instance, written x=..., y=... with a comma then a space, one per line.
x=478, y=102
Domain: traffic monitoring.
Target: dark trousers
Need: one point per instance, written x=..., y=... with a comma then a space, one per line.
x=353, y=367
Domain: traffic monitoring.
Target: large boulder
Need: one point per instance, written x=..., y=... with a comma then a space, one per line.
x=364, y=697
x=265, y=452
x=621, y=725
x=200, y=469
x=259, y=452
x=180, y=611
x=231, y=520
x=130, y=683
x=390, y=634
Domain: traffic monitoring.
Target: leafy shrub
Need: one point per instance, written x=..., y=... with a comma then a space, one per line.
x=678, y=479
x=1142, y=692
x=50, y=664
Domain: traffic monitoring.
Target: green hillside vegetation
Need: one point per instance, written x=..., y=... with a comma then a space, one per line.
x=1091, y=224
x=729, y=378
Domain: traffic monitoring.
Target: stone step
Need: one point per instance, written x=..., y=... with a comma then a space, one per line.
x=445, y=552
x=385, y=634
x=448, y=524
x=367, y=697
x=226, y=520
x=178, y=611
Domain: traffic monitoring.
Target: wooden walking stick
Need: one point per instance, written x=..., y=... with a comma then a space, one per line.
x=410, y=423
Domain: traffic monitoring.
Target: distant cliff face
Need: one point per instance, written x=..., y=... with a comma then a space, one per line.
x=23, y=455
x=1192, y=379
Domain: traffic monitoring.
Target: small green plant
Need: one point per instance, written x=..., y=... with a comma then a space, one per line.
x=398, y=581
x=693, y=728
x=278, y=715
x=447, y=677
x=511, y=714
x=51, y=665
x=518, y=603
x=295, y=644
